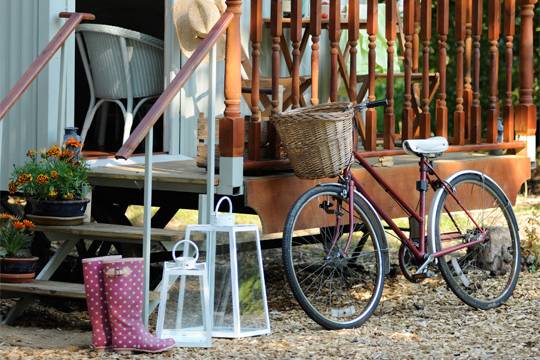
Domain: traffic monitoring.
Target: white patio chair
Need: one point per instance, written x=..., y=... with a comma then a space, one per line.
x=119, y=64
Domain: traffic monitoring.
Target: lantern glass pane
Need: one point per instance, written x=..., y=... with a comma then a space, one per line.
x=200, y=238
x=185, y=315
x=252, y=307
x=223, y=300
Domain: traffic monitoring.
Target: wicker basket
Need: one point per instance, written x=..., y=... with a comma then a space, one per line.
x=318, y=139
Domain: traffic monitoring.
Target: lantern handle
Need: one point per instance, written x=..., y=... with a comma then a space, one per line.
x=189, y=242
x=219, y=204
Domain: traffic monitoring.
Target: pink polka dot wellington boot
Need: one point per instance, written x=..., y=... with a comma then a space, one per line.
x=95, y=301
x=124, y=293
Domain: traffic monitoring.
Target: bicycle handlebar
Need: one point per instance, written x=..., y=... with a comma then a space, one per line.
x=370, y=104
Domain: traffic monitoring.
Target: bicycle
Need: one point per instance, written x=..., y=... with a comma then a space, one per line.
x=336, y=267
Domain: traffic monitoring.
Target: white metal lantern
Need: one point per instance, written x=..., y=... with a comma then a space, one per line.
x=235, y=275
x=184, y=310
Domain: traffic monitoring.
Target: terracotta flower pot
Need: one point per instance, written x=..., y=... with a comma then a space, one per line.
x=17, y=270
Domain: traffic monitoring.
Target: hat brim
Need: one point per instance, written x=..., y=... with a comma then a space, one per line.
x=187, y=36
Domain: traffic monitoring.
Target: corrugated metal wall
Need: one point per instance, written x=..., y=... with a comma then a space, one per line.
x=40, y=115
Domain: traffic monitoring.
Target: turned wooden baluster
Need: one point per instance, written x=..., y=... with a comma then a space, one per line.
x=441, y=114
x=315, y=30
x=416, y=35
x=467, y=91
x=353, y=42
x=494, y=30
x=254, y=143
x=459, y=114
x=526, y=110
x=425, y=35
x=407, y=121
x=389, y=122
x=476, y=110
x=231, y=127
x=296, y=37
x=509, y=31
x=276, y=30
x=371, y=114
x=334, y=32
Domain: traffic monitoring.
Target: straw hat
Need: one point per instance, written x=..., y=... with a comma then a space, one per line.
x=193, y=20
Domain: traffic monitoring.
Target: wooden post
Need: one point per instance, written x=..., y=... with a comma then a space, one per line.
x=441, y=115
x=315, y=30
x=467, y=91
x=526, y=110
x=459, y=114
x=254, y=144
x=353, y=42
x=494, y=30
x=425, y=34
x=296, y=37
x=407, y=121
x=231, y=127
x=389, y=122
x=334, y=32
x=371, y=114
x=416, y=34
x=276, y=29
x=509, y=31
x=476, y=110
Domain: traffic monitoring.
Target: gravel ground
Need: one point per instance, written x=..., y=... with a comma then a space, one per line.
x=412, y=321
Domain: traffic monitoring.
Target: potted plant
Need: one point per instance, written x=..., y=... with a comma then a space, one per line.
x=54, y=182
x=16, y=264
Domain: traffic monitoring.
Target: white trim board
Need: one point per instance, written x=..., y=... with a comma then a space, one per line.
x=110, y=162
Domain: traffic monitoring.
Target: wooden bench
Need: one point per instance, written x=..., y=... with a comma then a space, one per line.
x=69, y=236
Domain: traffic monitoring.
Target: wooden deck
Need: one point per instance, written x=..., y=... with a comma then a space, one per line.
x=271, y=196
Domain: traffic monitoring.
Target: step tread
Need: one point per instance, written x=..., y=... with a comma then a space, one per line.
x=46, y=287
x=111, y=232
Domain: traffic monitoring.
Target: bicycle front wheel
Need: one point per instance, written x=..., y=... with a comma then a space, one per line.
x=485, y=274
x=337, y=279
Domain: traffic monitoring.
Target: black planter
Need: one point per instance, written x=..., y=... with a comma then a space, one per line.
x=53, y=208
x=18, y=265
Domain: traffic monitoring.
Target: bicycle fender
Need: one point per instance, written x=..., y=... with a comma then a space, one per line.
x=379, y=226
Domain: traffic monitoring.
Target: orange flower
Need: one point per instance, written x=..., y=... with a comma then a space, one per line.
x=28, y=224
x=6, y=216
x=42, y=179
x=72, y=142
x=31, y=153
x=54, y=174
x=12, y=187
x=69, y=196
x=18, y=225
x=54, y=151
x=24, y=178
x=66, y=154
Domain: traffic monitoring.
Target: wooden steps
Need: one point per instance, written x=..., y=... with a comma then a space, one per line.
x=45, y=287
x=110, y=232
x=52, y=288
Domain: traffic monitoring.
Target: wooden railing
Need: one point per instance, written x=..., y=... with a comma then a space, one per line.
x=467, y=126
x=74, y=19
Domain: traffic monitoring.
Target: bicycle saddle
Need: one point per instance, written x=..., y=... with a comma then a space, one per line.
x=430, y=148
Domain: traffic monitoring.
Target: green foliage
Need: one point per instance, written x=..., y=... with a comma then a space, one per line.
x=54, y=174
x=15, y=235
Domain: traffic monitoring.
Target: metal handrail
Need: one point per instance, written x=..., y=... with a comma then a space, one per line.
x=74, y=19
x=161, y=104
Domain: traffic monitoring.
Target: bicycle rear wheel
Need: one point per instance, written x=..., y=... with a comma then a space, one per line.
x=338, y=283
x=483, y=275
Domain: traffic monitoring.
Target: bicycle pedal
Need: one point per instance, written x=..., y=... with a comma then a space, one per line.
x=423, y=275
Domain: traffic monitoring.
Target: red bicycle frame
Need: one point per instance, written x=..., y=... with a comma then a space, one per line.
x=425, y=170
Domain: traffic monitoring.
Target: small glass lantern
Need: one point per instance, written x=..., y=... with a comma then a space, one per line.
x=235, y=275
x=184, y=310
